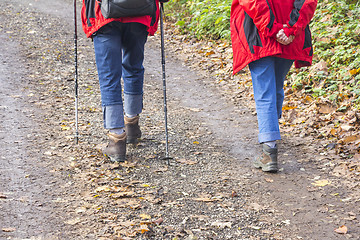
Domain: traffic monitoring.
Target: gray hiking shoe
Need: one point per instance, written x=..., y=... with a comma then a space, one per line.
x=132, y=129
x=267, y=161
x=116, y=148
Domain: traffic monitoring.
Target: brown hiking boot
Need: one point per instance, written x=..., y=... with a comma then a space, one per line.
x=132, y=129
x=268, y=160
x=116, y=148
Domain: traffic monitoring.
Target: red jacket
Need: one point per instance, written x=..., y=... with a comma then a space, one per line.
x=93, y=20
x=255, y=23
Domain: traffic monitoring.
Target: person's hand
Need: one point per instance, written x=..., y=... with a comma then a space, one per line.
x=283, y=39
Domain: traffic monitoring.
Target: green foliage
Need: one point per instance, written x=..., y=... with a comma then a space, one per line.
x=208, y=19
x=336, y=38
x=336, y=35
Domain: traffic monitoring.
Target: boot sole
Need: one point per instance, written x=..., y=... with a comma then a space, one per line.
x=115, y=158
x=268, y=167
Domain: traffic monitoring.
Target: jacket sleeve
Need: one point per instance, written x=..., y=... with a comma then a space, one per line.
x=300, y=16
x=262, y=15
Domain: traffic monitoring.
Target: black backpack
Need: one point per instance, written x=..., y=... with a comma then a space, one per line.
x=128, y=8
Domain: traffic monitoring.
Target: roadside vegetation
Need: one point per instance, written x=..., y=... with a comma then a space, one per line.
x=324, y=99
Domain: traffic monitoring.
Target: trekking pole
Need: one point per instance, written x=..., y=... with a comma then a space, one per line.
x=164, y=81
x=76, y=78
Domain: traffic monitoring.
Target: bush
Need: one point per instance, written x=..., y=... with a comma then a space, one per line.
x=336, y=38
x=205, y=19
x=336, y=34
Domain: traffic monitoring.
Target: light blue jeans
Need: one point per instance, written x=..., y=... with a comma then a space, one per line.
x=268, y=75
x=119, y=53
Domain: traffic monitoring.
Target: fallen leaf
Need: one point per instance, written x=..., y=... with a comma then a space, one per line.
x=65, y=128
x=123, y=194
x=158, y=221
x=80, y=210
x=234, y=194
x=184, y=161
x=126, y=232
x=145, y=216
x=103, y=189
x=134, y=204
x=196, y=142
x=143, y=229
x=162, y=169
x=222, y=224
x=269, y=180
x=73, y=221
x=286, y=108
x=9, y=229
x=266, y=231
x=128, y=164
x=287, y=222
x=127, y=224
x=255, y=227
x=256, y=206
x=195, y=109
x=349, y=139
x=341, y=230
x=346, y=127
x=209, y=53
x=326, y=108
x=333, y=132
x=321, y=183
x=204, y=199
x=2, y=196
x=353, y=71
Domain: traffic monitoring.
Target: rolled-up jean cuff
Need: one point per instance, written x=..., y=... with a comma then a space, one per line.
x=133, y=104
x=270, y=136
x=113, y=116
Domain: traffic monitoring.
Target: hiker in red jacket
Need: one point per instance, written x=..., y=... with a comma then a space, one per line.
x=269, y=36
x=119, y=51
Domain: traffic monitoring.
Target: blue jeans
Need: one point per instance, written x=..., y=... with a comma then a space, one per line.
x=268, y=75
x=119, y=53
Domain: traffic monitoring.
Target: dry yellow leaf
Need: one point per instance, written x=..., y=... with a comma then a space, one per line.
x=65, y=128
x=308, y=99
x=333, y=132
x=145, y=216
x=287, y=107
x=269, y=180
x=321, y=183
x=10, y=229
x=144, y=228
x=341, y=230
x=209, y=53
x=351, y=138
x=354, y=71
x=103, y=189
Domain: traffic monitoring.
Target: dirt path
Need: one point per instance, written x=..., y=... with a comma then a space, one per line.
x=25, y=186
x=53, y=189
